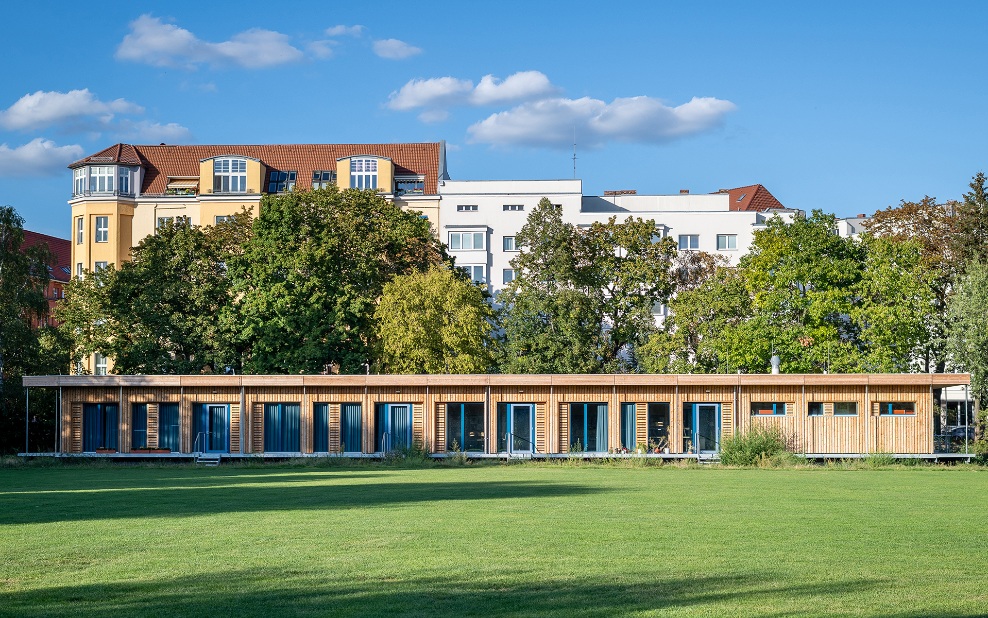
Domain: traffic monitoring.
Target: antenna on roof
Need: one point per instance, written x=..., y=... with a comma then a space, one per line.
x=574, y=152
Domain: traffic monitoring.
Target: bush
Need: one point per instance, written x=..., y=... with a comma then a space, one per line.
x=758, y=445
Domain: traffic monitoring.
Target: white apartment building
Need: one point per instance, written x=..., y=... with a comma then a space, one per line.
x=480, y=218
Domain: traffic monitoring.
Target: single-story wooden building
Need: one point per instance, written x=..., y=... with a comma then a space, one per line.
x=491, y=414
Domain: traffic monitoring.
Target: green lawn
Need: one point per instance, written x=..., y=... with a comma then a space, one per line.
x=517, y=540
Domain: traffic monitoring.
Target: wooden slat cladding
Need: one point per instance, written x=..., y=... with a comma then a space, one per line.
x=234, y=427
x=257, y=428
x=440, y=445
x=418, y=426
x=540, y=428
x=641, y=423
x=563, y=428
x=152, y=425
x=76, y=424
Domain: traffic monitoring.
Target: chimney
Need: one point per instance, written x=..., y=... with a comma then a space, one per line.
x=776, y=361
x=684, y=191
x=862, y=216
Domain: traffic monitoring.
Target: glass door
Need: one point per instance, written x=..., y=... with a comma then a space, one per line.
x=521, y=428
x=707, y=423
x=219, y=429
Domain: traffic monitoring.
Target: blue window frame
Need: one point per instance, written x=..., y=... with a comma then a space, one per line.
x=281, y=427
x=628, y=435
x=765, y=408
x=100, y=422
x=393, y=428
x=139, y=425
x=701, y=427
x=211, y=427
x=168, y=426
x=588, y=427
x=465, y=427
x=516, y=420
x=897, y=408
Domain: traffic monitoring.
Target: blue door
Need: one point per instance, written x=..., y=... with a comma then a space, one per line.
x=701, y=427
x=211, y=428
x=394, y=426
x=516, y=428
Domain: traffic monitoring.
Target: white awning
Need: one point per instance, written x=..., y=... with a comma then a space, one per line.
x=183, y=184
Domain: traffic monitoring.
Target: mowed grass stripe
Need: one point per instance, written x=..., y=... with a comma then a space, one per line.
x=492, y=540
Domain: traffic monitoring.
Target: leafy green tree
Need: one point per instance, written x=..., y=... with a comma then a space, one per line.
x=971, y=240
x=968, y=340
x=157, y=314
x=434, y=322
x=309, y=278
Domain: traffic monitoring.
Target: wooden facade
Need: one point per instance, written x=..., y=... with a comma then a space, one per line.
x=891, y=412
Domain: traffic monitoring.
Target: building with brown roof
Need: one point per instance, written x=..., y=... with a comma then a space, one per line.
x=58, y=269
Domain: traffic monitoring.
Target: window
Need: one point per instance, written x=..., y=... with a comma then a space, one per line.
x=178, y=220
x=98, y=266
x=658, y=425
x=99, y=426
x=123, y=180
x=768, y=408
x=281, y=427
x=845, y=408
x=475, y=272
x=223, y=219
x=628, y=426
x=466, y=241
x=515, y=427
x=99, y=364
x=139, y=426
x=323, y=179
x=168, y=426
x=727, y=242
x=101, y=178
x=897, y=408
x=230, y=176
x=509, y=244
x=814, y=408
x=508, y=275
x=393, y=429
x=689, y=241
x=102, y=229
x=409, y=186
x=363, y=173
x=350, y=442
x=279, y=182
x=465, y=427
x=78, y=230
x=513, y=207
x=320, y=428
x=79, y=185
x=588, y=427
x=466, y=208
x=78, y=270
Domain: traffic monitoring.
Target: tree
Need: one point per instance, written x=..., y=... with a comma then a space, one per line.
x=309, y=278
x=434, y=322
x=158, y=313
x=971, y=241
x=968, y=340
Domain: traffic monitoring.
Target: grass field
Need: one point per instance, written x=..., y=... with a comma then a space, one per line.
x=484, y=540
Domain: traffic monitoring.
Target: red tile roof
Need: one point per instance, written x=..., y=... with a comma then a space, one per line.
x=163, y=161
x=752, y=197
x=60, y=249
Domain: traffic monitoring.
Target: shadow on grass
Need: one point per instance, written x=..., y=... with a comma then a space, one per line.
x=307, y=593
x=245, y=492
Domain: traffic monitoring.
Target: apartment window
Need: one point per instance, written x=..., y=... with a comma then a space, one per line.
x=727, y=242
x=897, y=408
x=99, y=364
x=230, y=176
x=123, y=180
x=281, y=427
x=465, y=427
x=139, y=426
x=98, y=266
x=323, y=179
x=100, y=424
x=513, y=207
x=475, y=272
x=689, y=241
x=466, y=208
x=509, y=244
x=102, y=229
x=78, y=231
x=509, y=275
x=279, y=182
x=363, y=173
x=764, y=408
x=657, y=424
x=409, y=186
x=466, y=241
x=223, y=219
x=588, y=427
x=814, y=408
x=79, y=184
x=101, y=178
x=179, y=220
x=845, y=408
x=78, y=270
x=628, y=436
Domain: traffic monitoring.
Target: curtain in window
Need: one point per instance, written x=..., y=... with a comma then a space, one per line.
x=601, y=437
x=628, y=426
x=320, y=428
x=281, y=427
x=139, y=425
x=401, y=426
x=350, y=432
x=168, y=426
x=92, y=427
x=220, y=429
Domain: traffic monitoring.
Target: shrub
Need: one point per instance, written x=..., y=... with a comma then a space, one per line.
x=757, y=445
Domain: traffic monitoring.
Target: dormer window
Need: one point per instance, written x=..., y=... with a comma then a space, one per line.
x=281, y=181
x=101, y=178
x=97, y=179
x=79, y=185
x=323, y=179
x=230, y=176
x=363, y=173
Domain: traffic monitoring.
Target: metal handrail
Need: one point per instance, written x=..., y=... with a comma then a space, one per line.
x=195, y=446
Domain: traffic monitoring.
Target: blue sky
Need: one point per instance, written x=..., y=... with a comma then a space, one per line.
x=848, y=107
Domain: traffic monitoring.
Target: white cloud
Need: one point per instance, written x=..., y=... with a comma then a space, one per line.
x=39, y=157
x=551, y=122
x=43, y=109
x=320, y=49
x=345, y=30
x=148, y=132
x=393, y=49
x=438, y=93
x=153, y=42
